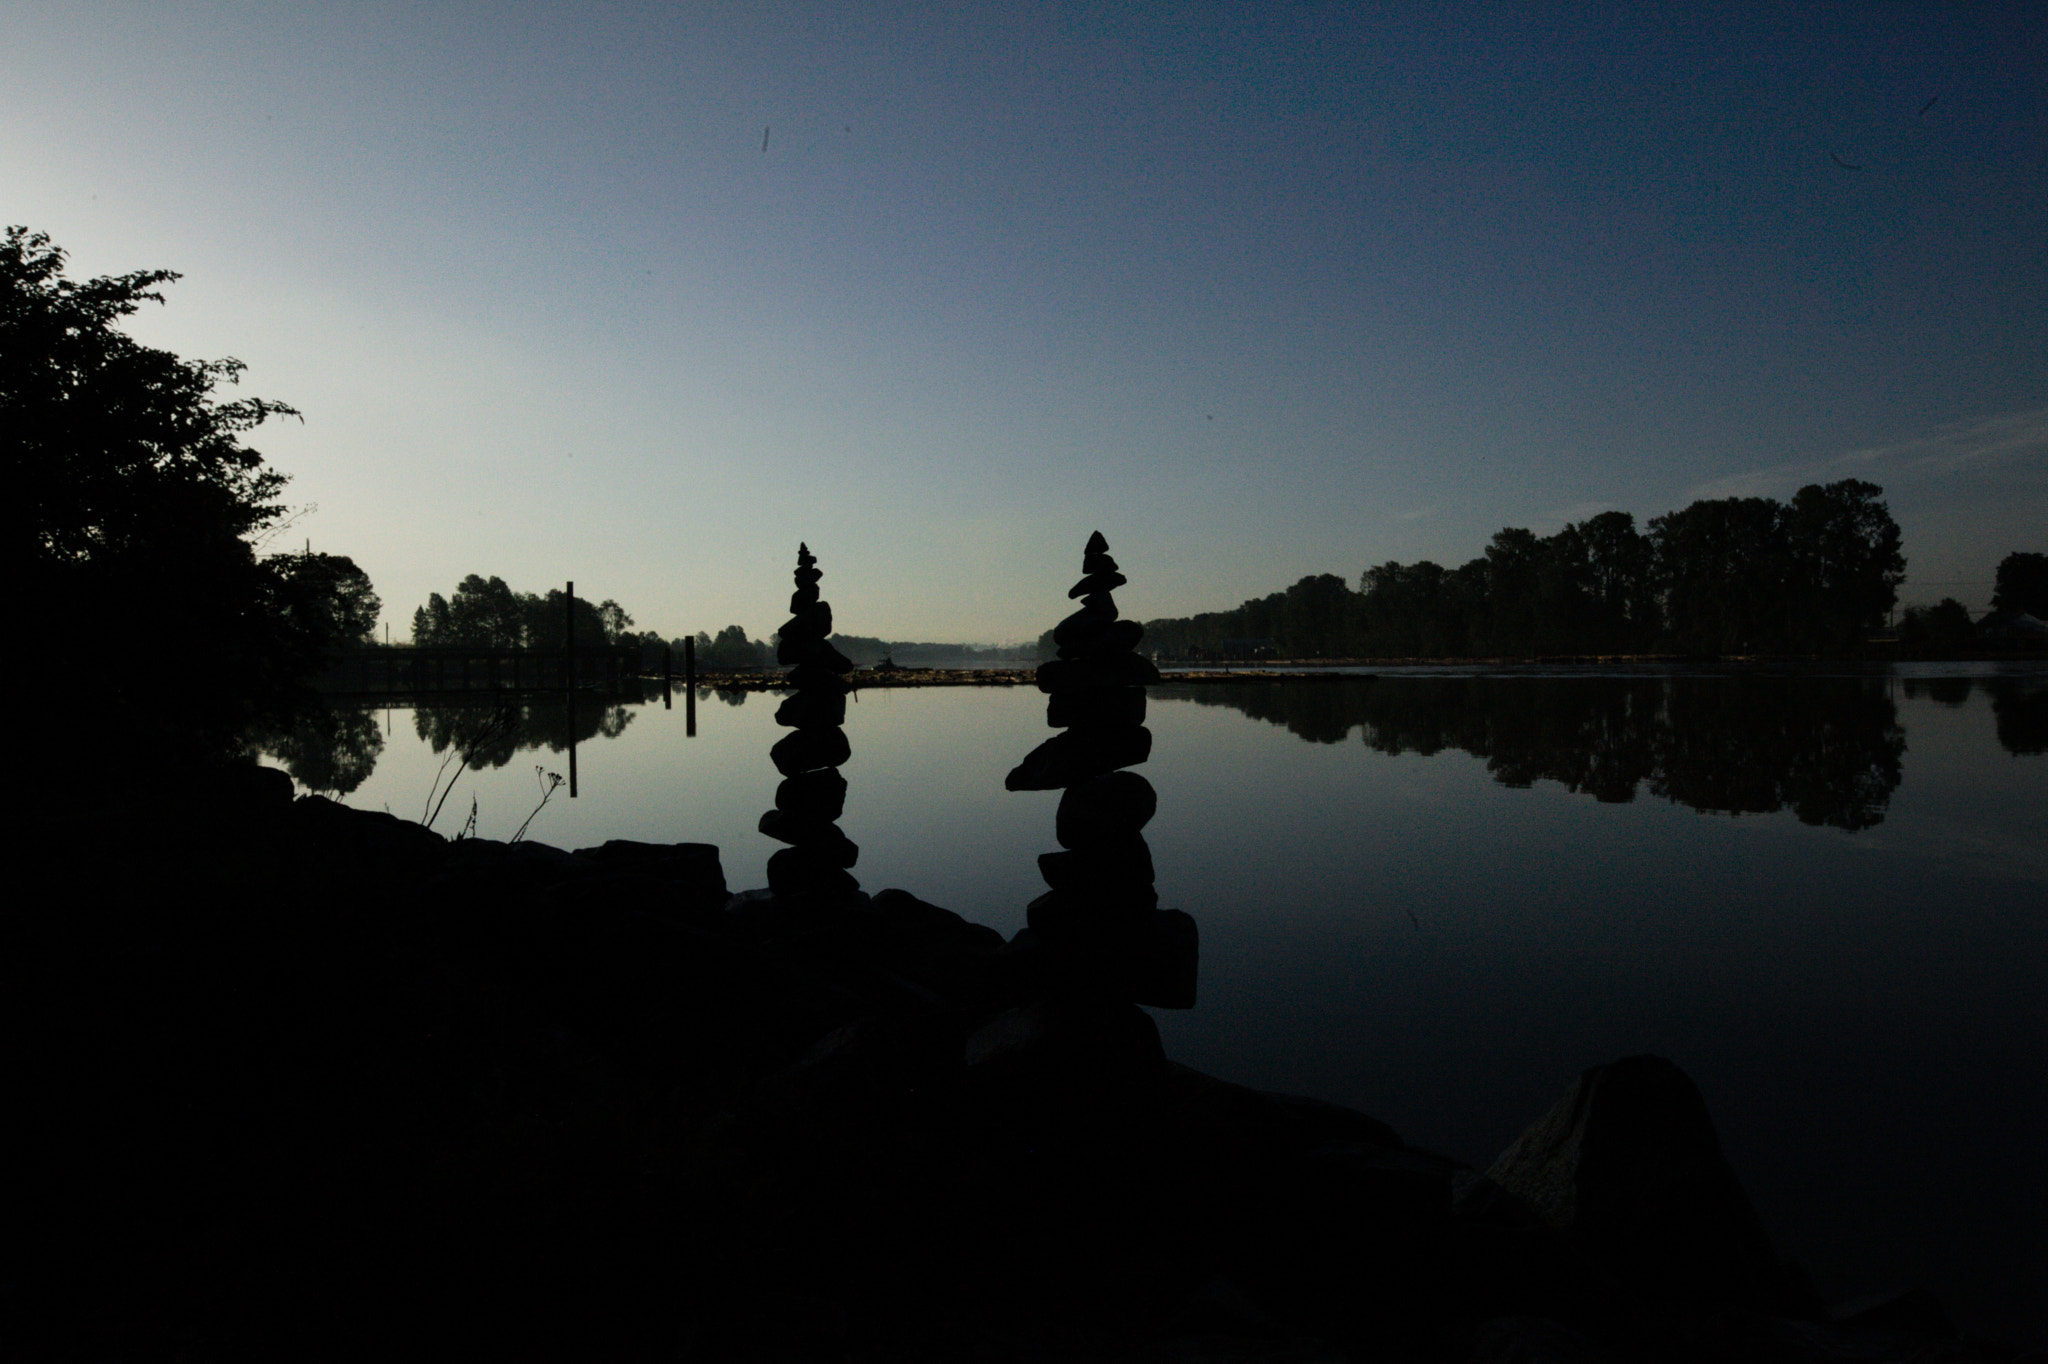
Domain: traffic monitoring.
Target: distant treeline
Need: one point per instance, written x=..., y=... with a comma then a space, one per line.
x=486, y=613
x=733, y=651
x=1732, y=575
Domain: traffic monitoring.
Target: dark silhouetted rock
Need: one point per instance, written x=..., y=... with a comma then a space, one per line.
x=1097, y=583
x=813, y=709
x=1114, y=867
x=815, y=795
x=1628, y=1165
x=804, y=750
x=1094, y=708
x=1079, y=754
x=1099, y=932
x=1077, y=674
x=1104, y=809
x=1074, y=1040
x=810, y=800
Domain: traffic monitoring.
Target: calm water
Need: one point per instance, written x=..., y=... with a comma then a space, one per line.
x=1440, y=895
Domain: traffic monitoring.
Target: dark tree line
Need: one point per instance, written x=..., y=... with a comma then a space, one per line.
x=485, y=613
x=1818, y=574
x=138, y=513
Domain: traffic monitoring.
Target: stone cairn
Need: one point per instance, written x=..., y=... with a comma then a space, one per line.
x=1100, y=926
x=812, y=795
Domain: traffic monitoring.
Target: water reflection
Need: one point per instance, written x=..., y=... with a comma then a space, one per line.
x=330, y=749
x=1828, y=749
x=2019, y=706
x=491, y=736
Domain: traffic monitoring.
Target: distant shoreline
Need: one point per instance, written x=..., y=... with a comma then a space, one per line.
x=1338, y=669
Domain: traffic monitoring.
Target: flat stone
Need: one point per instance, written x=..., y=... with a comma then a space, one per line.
x=1083, y=674
x=792, y=873
x=807, y=576
x=1097, y=583
x=819, y=838
x=1130, y=951
x=1105, y=809
x=811, y=677
x=805, y=597
x=815, y=652
x=1120, y=638
x=1086, y=623
x=813, y=622
x=814, y=795
x=1075, y=756
x=1111, y=706
x=806, y=750
x=813, y=709
x=1111, y=868
x=1097, y=563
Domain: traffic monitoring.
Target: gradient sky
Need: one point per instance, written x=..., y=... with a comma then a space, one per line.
x=1258, y=290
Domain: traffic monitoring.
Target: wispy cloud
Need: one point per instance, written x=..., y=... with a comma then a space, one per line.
x=1420, y=513
x=1989, y=443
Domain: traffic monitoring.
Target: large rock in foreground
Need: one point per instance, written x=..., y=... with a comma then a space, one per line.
x=1627, y=1164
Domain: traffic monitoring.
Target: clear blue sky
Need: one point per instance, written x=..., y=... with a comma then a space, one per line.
x=1258, y=290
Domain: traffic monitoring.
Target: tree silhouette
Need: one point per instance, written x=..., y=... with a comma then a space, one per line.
x=135, y=504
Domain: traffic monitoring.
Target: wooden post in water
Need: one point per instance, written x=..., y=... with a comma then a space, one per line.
x=569, y=676
x=690, y=687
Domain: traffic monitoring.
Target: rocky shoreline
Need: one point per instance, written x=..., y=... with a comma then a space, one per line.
x=358, y=1087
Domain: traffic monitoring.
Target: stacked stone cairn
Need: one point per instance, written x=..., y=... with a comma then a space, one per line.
x=1100, y=926
x=812, y=795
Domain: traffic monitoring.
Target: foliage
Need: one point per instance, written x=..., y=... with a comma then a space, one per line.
x=486, y=613
x=135, y=506
x=2022, y=585
x=1939, y=629
x=732, y=651
x=1734, y=575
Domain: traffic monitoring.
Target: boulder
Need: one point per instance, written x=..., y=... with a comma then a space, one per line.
x=1627, y=1164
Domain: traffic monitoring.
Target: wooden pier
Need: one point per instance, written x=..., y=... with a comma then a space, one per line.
x=458, y=671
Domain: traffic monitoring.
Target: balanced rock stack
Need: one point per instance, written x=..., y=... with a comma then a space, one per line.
x=812, y=795
x=1100, y=923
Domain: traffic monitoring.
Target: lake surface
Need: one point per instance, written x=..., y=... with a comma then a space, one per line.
x=1438, y=895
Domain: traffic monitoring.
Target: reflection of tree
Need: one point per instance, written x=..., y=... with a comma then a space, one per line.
x=328, y=749
x=1947, y=691
x=2019, y=707
x=490, y=736
x=1828, y=749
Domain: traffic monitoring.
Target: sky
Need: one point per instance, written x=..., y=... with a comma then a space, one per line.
x=641, y=296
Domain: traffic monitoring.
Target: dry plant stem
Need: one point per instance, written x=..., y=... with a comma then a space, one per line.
x=549, y=781
x=498, y=720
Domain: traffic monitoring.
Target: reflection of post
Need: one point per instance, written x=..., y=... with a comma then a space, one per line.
x=668, y=676
x=689, y=688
